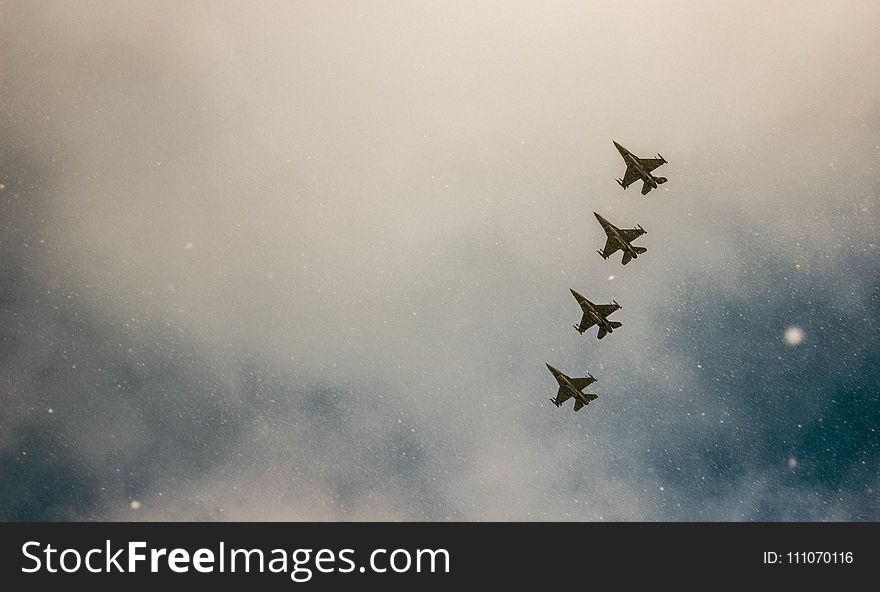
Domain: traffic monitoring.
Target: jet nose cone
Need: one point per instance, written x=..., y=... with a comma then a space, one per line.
x=598, y=217
x=573, y=293
x=551, y=369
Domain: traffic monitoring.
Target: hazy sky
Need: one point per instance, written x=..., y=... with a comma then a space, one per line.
x=307, y=260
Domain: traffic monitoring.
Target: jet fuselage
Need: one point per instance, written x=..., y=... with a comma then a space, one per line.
x=631, y=160
x=572, y=390
x=594, y=315
x=565, y=382
x=602, y=323
x=624, y=244
x=646, y=176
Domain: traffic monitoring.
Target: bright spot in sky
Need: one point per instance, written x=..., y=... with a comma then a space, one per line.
x=792, y=463
x=135, y=504
x=610, y=278
x=794, y=336
x=189, y=246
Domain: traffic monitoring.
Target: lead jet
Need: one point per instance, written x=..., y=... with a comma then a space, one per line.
x=572, y=387
x=640, y=169
x=620, y=239
x=596, y=314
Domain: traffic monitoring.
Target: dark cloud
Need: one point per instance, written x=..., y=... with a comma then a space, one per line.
x=801, y=417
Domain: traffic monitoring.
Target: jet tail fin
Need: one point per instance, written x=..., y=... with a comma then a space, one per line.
x=626, y=258
x=578, y=404
x=645, y=188
x=602, y=333
x=615, y=324
x=660, y=180
x=639, y=250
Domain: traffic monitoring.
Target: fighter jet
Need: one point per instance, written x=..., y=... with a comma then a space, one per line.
x=596, y=314
x=640, y=168
x=620, y=239
x=572, y=387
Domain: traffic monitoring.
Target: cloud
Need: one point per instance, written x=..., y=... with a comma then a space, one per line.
x=307, y=263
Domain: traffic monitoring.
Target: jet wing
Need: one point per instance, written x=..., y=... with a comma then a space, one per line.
x=611, y=247
x=631, y=176
x=582, y=383
x=606, y=309
x=586, y=323
x=562, y=396
x=579, y=403
x=629, y=234
x=649, y=164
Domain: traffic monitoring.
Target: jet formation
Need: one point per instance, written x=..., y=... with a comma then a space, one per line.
x=617, y=239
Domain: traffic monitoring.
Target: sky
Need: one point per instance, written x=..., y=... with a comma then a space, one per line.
x=306, y=261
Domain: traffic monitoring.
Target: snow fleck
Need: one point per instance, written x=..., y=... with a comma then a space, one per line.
x=135, y=505
x=792, y=463
x=794, y=335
